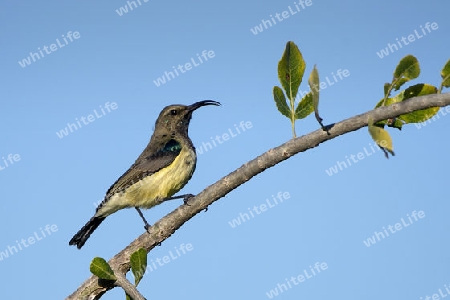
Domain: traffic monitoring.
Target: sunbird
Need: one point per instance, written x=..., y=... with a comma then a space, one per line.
x=162, y=169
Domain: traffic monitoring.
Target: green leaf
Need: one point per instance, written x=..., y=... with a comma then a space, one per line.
x=399, y=83
x=100, y=268
x=419, y=115
x=416, y=116
x=138, y=262
x=127, y=297
x=304, y=107
x=407, y=69
x=445, y=73
x=382, y=138
x=419, y=89
x=280, y=101
x=387, y=86
x=314, y=84
x=290, y=70
x=389, y=101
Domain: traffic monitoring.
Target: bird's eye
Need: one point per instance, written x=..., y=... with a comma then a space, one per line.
x=173, y=112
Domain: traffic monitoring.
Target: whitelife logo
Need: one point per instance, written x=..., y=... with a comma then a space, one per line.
x=225, y=137
x=36, y=237
x=411, y=38
x=436, y=295
x=342, y=74
x=179, y=251
x=341, y=165
x=280, y=17
x=89, y=119
x=11, y=158
x=243, y=217
x=53, y=47
x=283, y=287
x=443, y=111
x=124, y=9
x=397, y=226
x=187, y=66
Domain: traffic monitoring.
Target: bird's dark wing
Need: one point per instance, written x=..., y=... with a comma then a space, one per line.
x=145, y=166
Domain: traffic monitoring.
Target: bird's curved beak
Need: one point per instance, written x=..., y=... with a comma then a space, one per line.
x=196, y=105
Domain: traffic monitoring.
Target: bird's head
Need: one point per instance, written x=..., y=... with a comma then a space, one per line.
x=175, y=118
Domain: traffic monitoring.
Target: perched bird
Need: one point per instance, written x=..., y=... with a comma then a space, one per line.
x=162, y=169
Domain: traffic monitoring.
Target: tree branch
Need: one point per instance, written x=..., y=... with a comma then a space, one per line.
x=165, y=227
x=130, y=289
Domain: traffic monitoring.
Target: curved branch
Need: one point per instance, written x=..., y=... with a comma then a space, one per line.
x=165, y=227
x=130, y=289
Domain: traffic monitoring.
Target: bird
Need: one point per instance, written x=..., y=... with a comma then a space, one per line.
x=162, y=169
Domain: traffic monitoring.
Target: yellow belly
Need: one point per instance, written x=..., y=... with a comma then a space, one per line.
x=160, y=185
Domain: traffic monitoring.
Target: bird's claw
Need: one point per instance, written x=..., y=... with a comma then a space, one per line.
x=186, y=199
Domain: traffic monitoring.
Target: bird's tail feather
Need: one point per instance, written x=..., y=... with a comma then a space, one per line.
x=84, y=233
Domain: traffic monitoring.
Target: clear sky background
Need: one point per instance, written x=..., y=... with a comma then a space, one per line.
x=57, y=181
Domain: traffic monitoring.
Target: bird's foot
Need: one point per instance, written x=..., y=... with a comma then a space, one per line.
x=327, y=128
x=186, y=198
x=146, y=225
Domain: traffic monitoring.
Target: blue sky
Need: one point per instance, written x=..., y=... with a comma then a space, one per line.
x=101, y=64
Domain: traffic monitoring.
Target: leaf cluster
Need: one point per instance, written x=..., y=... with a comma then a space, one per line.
x=407, y=69
x=138, y=261
x=291, y=69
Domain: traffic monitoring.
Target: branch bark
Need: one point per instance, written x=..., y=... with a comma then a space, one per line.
x=130, y=289
x=164, y=228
